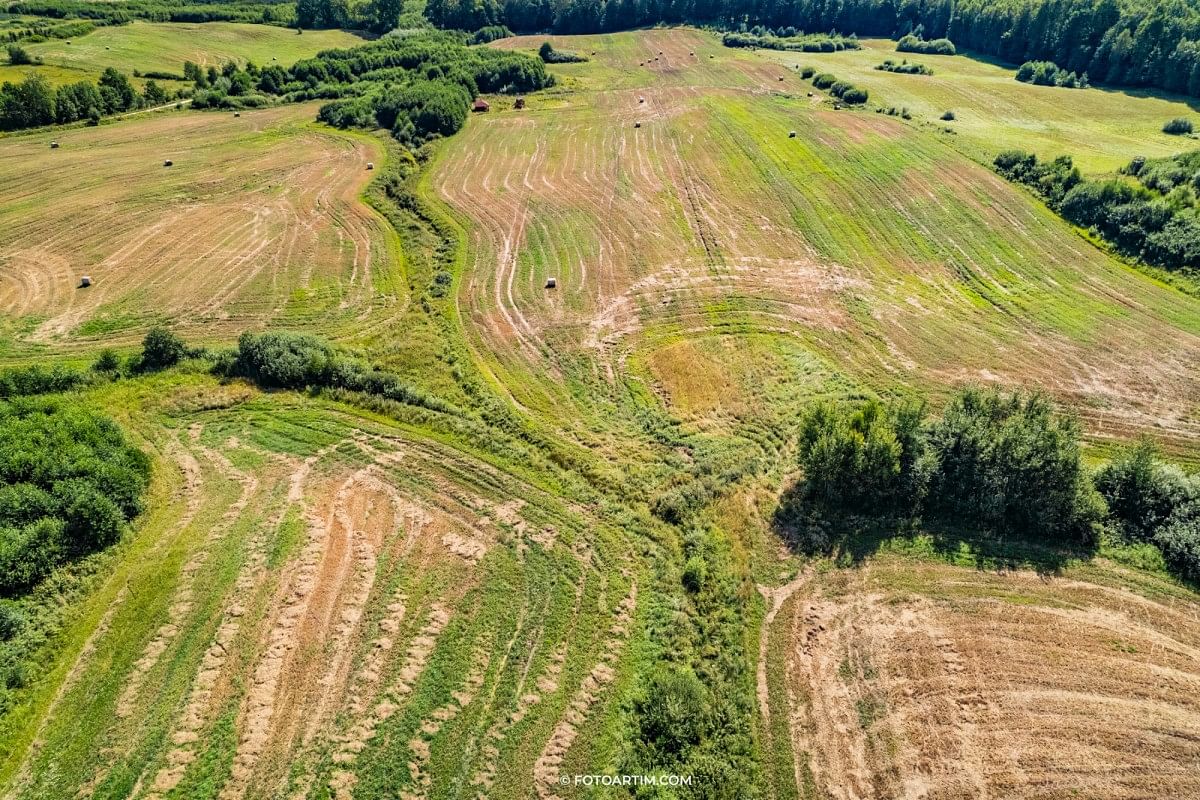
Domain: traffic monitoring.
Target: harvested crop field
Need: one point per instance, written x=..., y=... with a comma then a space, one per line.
x=323, y=605
x=669, y=210
x=258, y=219
x=901, y=679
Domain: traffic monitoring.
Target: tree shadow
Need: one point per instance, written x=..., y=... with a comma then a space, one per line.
x=850, y=540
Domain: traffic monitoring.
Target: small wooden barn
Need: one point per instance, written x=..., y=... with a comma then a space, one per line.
x=481, y=105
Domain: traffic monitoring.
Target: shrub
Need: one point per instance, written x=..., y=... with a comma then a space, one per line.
x=947, y=116
x=1179, y=541
x=1047, y=73
x=855, y=96
x=672, y=712
x=824, y=80
x=903, y=68
x=285, y=360
x=38, y=379
x=19, y=56
x=1178, y=126
x=161, y=349
x=551, y=56
x=107, y=361
x=807, y=72
x=490, y=33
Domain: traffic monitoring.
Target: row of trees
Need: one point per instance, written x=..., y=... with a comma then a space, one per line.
x=33, y=101
x=1144, y=222
x=1006, y=463
x=1153, y=43
x=119, y=12
x=1001, y=463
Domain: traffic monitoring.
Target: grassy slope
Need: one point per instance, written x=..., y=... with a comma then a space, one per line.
x=265, y=206
x=864, y=254
x=706, y=383
x=1101, y=128
x=163, y=47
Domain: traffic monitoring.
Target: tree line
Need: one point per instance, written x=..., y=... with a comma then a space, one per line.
x=1153, y=220
x=1151, y=43
x=1005, y=464
x=119, y=12
x=33, y=101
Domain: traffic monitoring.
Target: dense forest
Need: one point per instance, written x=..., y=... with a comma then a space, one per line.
x=1123, y=42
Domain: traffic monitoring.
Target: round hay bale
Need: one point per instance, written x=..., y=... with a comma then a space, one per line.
x=370, y=165
x=85, y=281
x=237, y=113
x=168, y=163
x=791, y=134
x=637, y=124
x=54, y=145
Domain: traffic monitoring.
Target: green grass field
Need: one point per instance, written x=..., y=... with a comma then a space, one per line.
x=1101, y=128
x=333, y=598
x=163, y=47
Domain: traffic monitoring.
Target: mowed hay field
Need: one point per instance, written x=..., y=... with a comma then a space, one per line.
x=910, y=678
x=1101, y=128
x=861, y=253
x=322, y=605
x=325, y=601
x=163, y=47
x=259, y=219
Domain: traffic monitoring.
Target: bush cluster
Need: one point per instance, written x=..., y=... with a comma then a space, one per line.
x=69, y=482
x=551, y=56
x=418, y=86
x=1047, y=73
x=933, y=47
x=285, y=360
x=904, y=68
x=790, y=39
x=846, y=92
x=490, y=33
